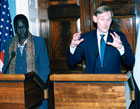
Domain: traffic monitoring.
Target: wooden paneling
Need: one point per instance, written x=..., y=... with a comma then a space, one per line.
x=123, y=9
x=37, y=93
x=63, y=11
x=44, y=21
x=63, y=21
x=42, y=6
x=94, y=91
x=89, y=95
x=85, y=20
x=60, y=2
x=126, y=24
x=86, y=77
x=61, y=34
x=117, y=1
x=44, y=32
x=20, y=91
x=11, y=89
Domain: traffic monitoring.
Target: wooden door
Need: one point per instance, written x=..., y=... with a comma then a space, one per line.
x=61, y=21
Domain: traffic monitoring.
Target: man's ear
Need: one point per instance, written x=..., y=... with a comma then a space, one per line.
x=95, y=19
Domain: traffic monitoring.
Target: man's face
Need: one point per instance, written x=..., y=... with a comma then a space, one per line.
x=103, y=21
x=21, y=29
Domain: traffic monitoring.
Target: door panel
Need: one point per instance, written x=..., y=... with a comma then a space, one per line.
x=126, y=24
x=63, y=20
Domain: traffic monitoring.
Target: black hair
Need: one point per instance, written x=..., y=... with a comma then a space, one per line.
x=20, y=17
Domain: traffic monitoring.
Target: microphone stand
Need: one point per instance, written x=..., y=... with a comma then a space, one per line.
x=13, y=54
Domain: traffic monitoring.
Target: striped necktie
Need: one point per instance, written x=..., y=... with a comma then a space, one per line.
x=102, y=48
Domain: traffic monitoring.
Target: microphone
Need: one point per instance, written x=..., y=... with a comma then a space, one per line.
x=96, y=54
x=13, y=54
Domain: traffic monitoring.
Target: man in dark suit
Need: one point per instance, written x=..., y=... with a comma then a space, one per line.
x=30, y=52
x=103, y=49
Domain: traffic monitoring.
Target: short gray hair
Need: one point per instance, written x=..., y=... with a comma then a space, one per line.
x=102, y=9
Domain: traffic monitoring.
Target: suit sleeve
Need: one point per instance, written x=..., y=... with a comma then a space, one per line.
x=74, y=59
x=43, y=68
x=128, y=58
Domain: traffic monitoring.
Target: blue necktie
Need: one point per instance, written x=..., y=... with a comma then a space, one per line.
x=102, y=48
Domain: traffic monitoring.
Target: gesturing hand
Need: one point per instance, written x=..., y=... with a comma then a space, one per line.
x=76, y=40
x=117, y=43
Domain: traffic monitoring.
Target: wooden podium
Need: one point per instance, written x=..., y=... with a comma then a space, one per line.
x=20, y=91
x=92, y=91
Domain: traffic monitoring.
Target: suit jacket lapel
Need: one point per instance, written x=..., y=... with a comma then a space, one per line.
x=94, y=43
x=108, y=51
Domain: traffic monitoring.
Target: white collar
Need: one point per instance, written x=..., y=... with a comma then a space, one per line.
x=19, y=45
x=98, y=35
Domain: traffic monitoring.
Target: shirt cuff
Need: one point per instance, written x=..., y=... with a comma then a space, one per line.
x=72, y=50
x=121, y=50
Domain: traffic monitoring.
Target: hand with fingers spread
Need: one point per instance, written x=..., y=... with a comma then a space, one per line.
x=117, y=43
x=76, y=40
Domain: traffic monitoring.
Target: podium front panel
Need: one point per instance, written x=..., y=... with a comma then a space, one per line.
x=74, y=95
x=21, y=91
x=12, y=95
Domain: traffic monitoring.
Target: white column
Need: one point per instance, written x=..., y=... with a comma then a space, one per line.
x=30, y=9
x=22, y=7
x=136, y=70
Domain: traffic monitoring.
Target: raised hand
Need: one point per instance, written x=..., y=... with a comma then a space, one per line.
x=117, y=43
x=76, y=40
